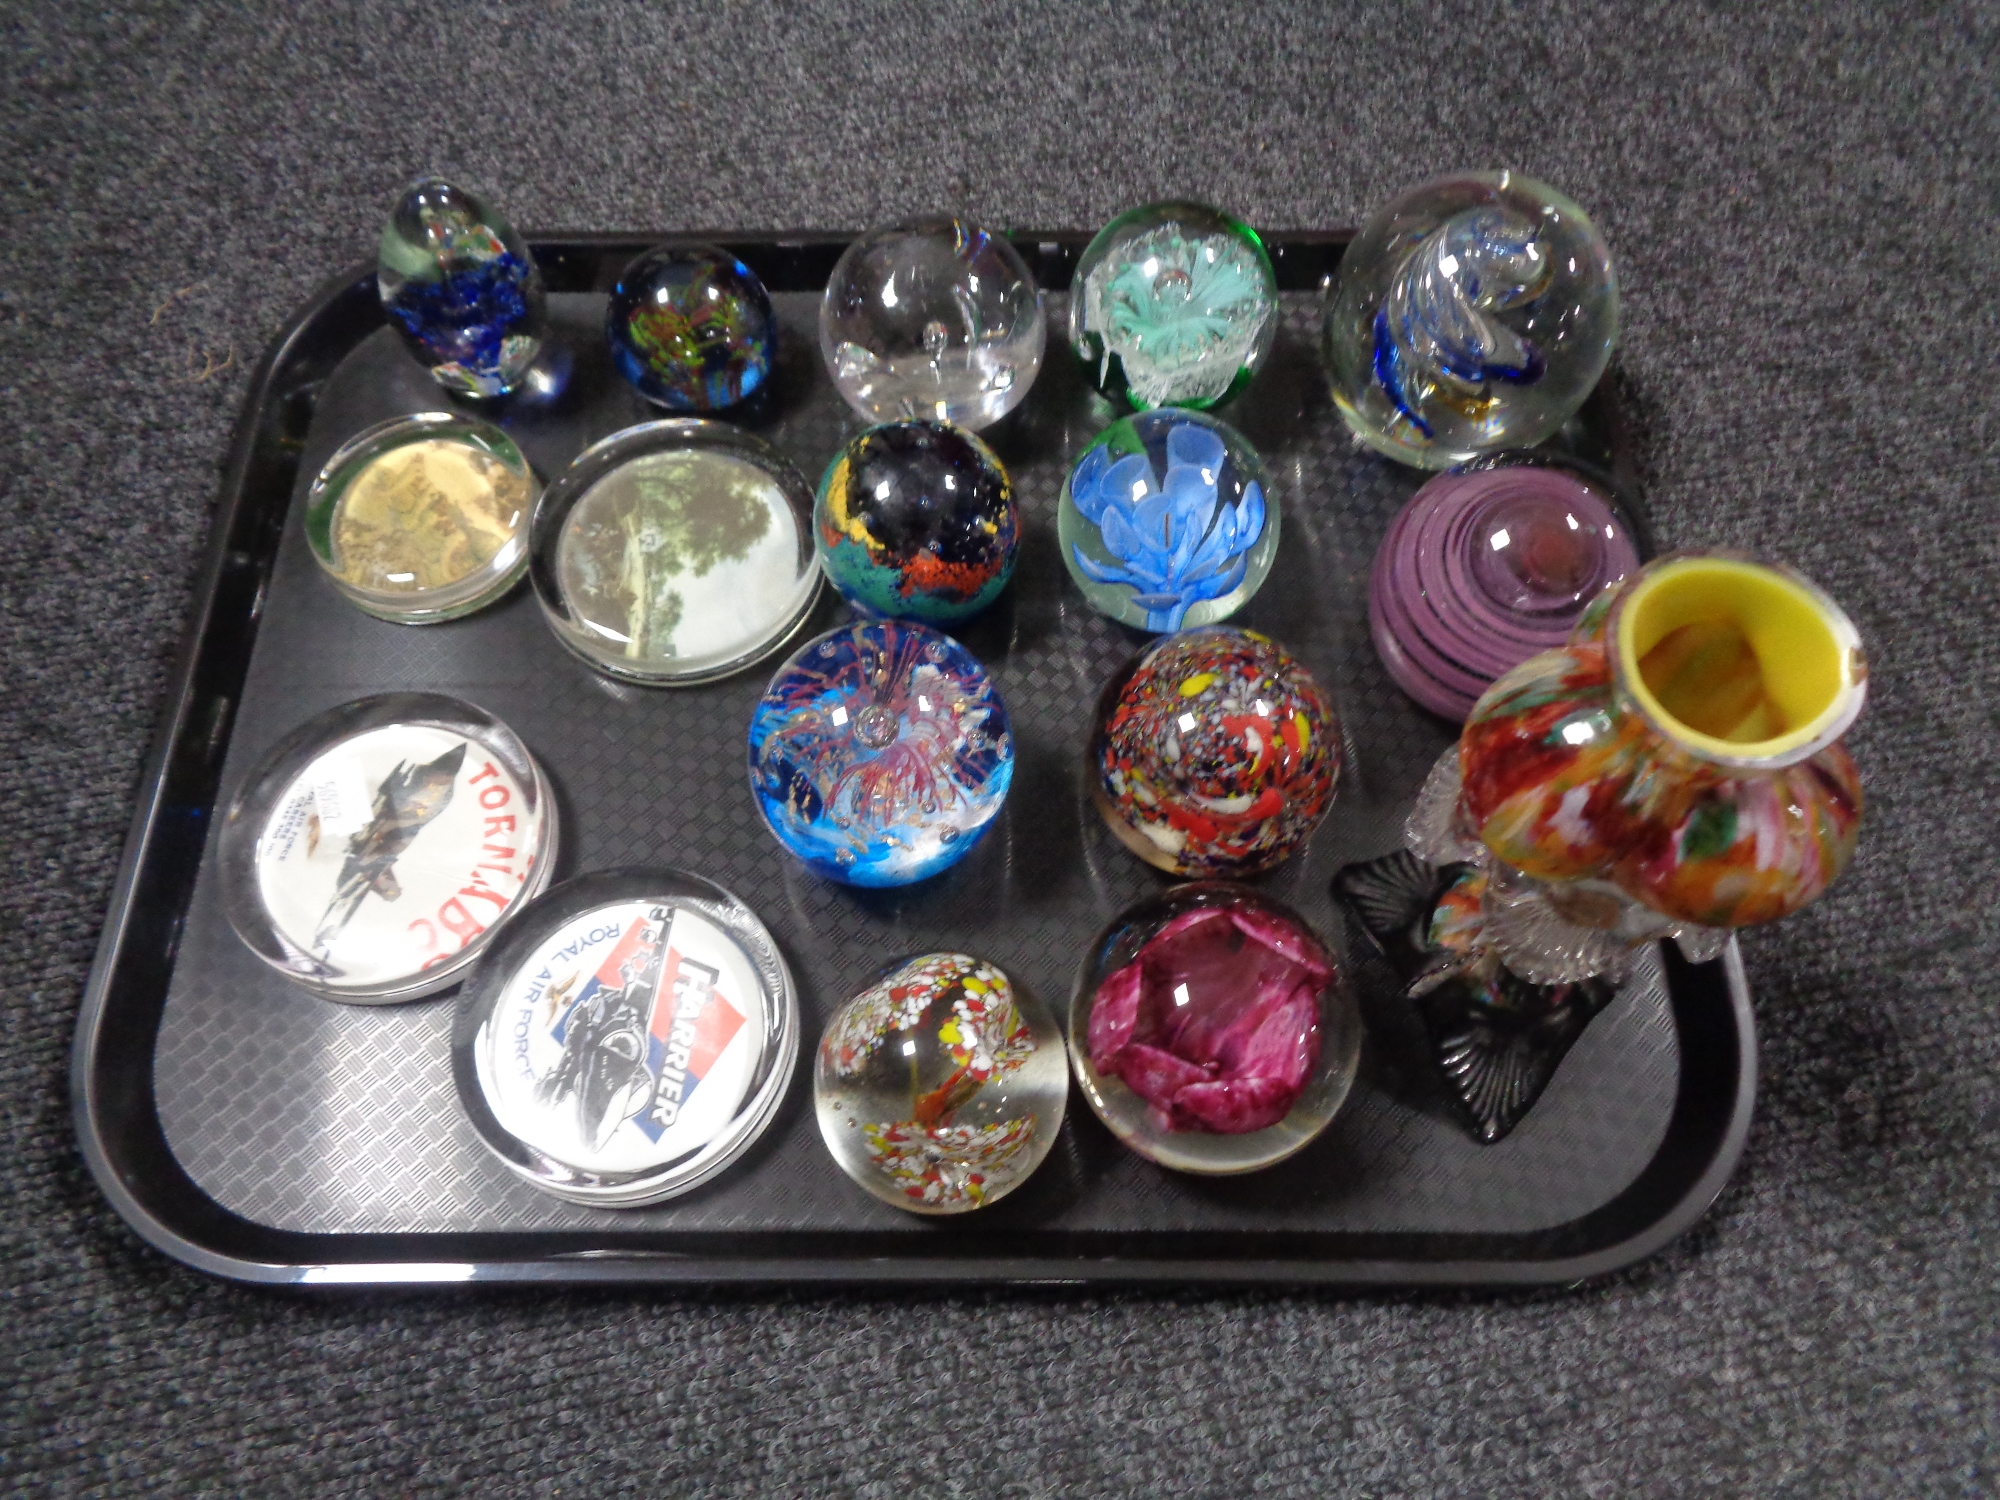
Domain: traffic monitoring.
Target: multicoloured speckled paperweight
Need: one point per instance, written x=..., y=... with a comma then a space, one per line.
x=940, y=1087
x=880, y=753
x=1216, y=753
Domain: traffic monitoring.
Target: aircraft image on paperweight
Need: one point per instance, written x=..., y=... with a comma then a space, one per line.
x=409, y=797
x=605, y=1045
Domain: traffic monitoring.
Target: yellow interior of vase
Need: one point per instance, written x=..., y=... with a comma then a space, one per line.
x=1733, y=658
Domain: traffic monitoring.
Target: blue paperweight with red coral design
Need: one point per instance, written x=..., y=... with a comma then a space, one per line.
x=691, y=327
x=461, y=288
x=880, y=753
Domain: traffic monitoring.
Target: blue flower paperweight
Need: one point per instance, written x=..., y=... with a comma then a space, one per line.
x=880, y=753
x=461, y=288
x=1167, y=521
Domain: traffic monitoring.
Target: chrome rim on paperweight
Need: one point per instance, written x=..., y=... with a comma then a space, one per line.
x=627, y=1038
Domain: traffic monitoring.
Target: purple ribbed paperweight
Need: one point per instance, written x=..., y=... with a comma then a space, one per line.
x=1486, y=566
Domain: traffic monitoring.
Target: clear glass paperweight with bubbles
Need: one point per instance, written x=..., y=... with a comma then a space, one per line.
x=940, y=1087
x=1212, y=1030
x=1475, y=312
x=676, y=552
x=1173, y=304
x=1167, y=519
x=937, y=318
x=462, y=289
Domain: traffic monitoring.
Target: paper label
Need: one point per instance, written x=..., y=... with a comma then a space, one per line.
x=627, y=1041
x=393, y=851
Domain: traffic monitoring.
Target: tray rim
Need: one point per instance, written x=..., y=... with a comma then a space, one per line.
x=183, y=747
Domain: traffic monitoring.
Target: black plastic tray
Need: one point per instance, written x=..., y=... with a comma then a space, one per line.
x=258, y=1133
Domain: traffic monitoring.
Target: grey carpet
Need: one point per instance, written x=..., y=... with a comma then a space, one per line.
x=1804, y=203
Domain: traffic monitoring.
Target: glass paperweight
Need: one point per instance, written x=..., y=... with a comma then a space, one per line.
x=692, y=328
x=676, y=552
x=1488, y=565
x=941, y=1086
x=935, y=319
x=880, y=753
x=423, y=518
x=1167, y=520
x=1212, y=1031
x=462, y=289
x=369, y=856
x=1215, y=754
x=1173, y=304
x=627, y=1038
x=1475, y=312
x=917, y=520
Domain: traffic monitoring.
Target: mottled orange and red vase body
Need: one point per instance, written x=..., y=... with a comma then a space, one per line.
x=1684, y=745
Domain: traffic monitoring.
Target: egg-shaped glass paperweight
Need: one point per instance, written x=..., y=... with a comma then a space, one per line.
x=691, y=327
x=1167, y=520
x=1212, y=1031
x=461, y=288
x=937, y=318
x=880, y=753
x=1475, y=312
x=676, y=552
x=423, y=518
x=1215, y=754
x=1488, y=565
x=917, y=520
x=940, y=1087
x=626, y=1038
x=1173, y=304
x=370, y=855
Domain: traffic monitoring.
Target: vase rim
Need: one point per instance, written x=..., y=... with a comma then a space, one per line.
x=1787, y=620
